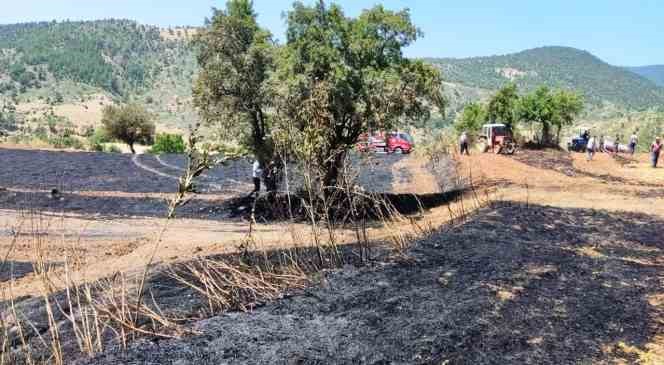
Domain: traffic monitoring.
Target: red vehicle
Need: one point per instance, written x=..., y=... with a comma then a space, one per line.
x=394, y=142
x=497, y=138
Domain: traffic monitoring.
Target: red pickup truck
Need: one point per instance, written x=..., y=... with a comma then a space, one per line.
x=393, y=142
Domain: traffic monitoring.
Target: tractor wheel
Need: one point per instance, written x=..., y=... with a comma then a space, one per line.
x=498, y=149
x=398, y=151
x=484, y=147
x=510, y=149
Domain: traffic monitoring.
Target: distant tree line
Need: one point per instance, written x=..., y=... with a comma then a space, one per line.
x=548, y=110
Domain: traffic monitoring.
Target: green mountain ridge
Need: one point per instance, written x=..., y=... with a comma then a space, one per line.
x=72, y=63
x=559, y=67
x=654, y=73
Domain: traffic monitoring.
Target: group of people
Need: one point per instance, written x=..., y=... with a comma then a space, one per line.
x=594, y=144
x=270, y=175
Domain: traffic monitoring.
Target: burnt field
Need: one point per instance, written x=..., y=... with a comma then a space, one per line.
x=515, y=284
x=109, y=185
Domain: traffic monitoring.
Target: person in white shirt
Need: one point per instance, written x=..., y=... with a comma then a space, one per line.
x=256, y=173
x=633, y=141
x=590, y=147
x=463, y=143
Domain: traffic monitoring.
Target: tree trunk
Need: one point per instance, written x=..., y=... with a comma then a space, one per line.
x=546, y=134
x=332, y=170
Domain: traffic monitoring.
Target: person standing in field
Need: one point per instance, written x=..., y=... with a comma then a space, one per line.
x=655, y=150
x=601, y=144
x=616, y=144
x=256, y=173
x=633, y=141
x=590, y=148
x=463, y=143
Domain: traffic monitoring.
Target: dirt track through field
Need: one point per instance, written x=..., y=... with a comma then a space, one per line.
x=113, y=215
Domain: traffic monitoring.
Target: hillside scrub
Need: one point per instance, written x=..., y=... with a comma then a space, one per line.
x=81, y=51
x=557, y=67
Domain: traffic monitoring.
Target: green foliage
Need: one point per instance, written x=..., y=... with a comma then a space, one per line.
x=8, y=120
x=116, y=55
x=555, y=67
x=472, y=118
x=129, y=123
x=232, y=90
x=168, y=143
x=568, y=105
x=339, y=77
x=502, y=107
x=550, y=109
x=98, y=138
x=538, y=107
x=651, y=126
x=66, y=141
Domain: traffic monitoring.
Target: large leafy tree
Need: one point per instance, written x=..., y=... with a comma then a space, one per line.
x=232, y=91
x=537, y=107
x=341, y=77
x=568, y=106
x=550, y=109
x=503, y=106
x=130, y=124
x=472, y=118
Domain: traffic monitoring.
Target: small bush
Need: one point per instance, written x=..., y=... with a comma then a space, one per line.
x=97, y=139
x=168, y=143
x=66, y=141
x=112, y=149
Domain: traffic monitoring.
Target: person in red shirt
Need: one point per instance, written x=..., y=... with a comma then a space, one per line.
x=655, y=150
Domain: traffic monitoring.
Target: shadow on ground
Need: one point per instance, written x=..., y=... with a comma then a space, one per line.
x=15, y=270
x=536, y=285
x=562, y=162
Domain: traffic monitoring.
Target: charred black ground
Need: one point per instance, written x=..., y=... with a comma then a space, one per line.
x=536, y=285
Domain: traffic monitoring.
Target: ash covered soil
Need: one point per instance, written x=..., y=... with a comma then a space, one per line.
x=119, y=185
x=514, y=284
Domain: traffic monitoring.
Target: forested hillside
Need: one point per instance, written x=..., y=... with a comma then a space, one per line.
x=558, y=67
x=119, y=56
x=73, y=69
x=653, y=73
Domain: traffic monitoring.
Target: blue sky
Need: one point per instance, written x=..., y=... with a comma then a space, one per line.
x=619, y=31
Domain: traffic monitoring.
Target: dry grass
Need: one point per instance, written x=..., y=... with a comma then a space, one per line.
x=237, y=286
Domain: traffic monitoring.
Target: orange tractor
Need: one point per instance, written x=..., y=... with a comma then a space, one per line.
x=497, y=138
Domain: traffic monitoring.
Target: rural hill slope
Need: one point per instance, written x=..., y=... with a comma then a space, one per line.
x=74, y=68
x=555, y=67
x=654, y=73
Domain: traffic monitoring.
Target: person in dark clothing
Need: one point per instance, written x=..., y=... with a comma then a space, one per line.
x=655, y=150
